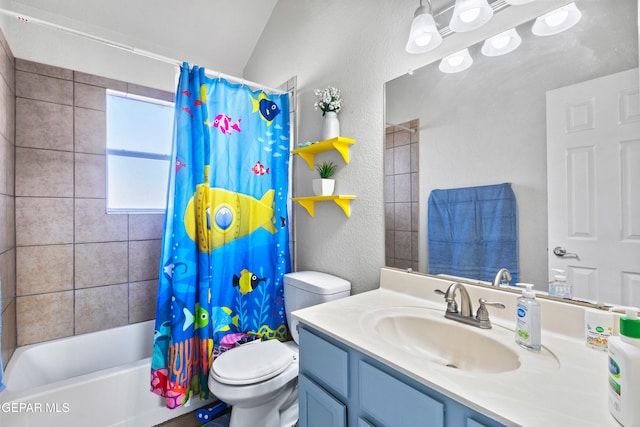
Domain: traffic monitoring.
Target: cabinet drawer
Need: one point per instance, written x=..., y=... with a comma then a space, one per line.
x=325, y=362
x=317, y=407
x=394, y=403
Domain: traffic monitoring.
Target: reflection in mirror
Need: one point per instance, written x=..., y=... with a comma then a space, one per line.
x=488, y=125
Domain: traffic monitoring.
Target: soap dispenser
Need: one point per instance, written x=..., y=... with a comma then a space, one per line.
x=528, y=319
x=559, y=287
x=624, y=371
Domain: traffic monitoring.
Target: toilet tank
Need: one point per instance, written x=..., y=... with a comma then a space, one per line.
x=306, y=288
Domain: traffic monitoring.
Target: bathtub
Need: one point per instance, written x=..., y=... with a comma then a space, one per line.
x=97, y=379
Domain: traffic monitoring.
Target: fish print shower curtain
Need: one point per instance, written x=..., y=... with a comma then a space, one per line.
x=225, y=247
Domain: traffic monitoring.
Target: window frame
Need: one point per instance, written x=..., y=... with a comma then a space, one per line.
x=132, y=154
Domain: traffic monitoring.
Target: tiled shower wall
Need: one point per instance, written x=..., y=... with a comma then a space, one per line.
x=78, y=269
x=7, y=199
x=401, y=195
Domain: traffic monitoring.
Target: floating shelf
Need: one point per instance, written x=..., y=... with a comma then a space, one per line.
x=339, y=143
x=309, y=202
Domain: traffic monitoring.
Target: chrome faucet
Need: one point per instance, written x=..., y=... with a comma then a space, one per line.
x=480, y=320
x=502, y=277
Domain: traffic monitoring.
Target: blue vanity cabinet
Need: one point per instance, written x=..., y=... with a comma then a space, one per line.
x=340, y=386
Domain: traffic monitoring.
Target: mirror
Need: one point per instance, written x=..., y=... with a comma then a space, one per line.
x=487, y=125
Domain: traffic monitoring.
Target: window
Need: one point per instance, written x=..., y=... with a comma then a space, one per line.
x=139, y=134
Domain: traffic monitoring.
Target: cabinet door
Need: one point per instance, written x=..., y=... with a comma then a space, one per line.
x=318, y=408
x=394, y=403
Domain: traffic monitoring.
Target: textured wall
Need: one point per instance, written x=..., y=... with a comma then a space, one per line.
x=356, y=46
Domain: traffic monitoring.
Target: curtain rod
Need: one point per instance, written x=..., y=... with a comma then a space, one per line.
x=134, y=50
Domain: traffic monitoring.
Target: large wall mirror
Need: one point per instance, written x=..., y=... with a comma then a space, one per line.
x=491, y=124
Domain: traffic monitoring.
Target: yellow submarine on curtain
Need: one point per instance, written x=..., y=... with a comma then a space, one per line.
x=225, y=248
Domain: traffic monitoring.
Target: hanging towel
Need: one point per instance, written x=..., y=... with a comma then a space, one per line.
x=473, y=232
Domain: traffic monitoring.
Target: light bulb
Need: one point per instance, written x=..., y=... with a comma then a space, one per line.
x=500, y=42
x=423, y=39
x=470, y=15
x=556, y=18
x=456, y=60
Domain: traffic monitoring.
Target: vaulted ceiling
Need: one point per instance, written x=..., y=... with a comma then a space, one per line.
x=226, y=31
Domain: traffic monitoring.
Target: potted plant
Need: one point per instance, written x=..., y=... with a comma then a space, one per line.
x=324, y=185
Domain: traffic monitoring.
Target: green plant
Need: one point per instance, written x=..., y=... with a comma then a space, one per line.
x=326, y=169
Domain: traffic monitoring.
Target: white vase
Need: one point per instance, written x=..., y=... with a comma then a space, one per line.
x=323, y=187
x=330, y=125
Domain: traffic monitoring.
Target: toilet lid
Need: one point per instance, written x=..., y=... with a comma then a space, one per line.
x=252, y=363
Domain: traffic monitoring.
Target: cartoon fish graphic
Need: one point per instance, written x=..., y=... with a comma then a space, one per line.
x=221, y=319
x=200, y=320
x=268, y=109
x=223, y=122
x=179, y=165
x=218, y=214
x=187, y=110
x=247, y=281
x=186, y=93
x=259, y=169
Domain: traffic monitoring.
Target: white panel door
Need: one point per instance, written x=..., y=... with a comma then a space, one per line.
x=593, y=180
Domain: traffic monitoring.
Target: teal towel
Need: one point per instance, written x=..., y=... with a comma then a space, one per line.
x=473, y=232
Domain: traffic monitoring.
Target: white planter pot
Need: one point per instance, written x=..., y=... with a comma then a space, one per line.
x=323, y=187
x=330, y=125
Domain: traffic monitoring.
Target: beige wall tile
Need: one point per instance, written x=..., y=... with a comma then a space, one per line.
x=98, y=264
x=44, y=317
x=5, y=161
x=100, y=81
x=101, y=308
x=44, y=69
x=8, y=277
x=43, y=88
x=90, y=131
x=42, y=269
x=44, y=173
x=144, y=259
x=94, y=225
x=7, y=111
x=7, y=223
x=90, y=178
x=9, y=335
x=42, y=124
x=43, y=221
x=142, y=300
x=145, y=227
x=88, y=96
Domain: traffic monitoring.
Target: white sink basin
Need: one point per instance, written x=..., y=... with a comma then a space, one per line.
x=425, y=333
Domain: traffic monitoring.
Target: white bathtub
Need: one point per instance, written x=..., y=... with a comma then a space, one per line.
x=97, y=379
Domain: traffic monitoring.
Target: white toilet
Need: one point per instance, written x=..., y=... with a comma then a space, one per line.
x=260, y=379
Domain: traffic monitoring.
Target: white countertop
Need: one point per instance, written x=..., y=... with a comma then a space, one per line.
x=563, y=385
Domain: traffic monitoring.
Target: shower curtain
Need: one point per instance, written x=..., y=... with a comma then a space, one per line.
x=225, y=247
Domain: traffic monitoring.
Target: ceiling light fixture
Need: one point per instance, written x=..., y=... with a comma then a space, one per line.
x=424, y=35
x=502, y=43
x=456, y=62
x=469, y=15
x=557, y=20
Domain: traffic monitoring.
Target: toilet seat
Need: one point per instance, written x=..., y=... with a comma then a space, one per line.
x=252, y=363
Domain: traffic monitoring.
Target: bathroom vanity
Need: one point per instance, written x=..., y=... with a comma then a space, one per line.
x=388, y=357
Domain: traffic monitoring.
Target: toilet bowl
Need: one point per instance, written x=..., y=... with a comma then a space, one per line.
x=260, y=379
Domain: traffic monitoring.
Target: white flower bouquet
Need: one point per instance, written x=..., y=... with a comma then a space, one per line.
x=328, y=99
